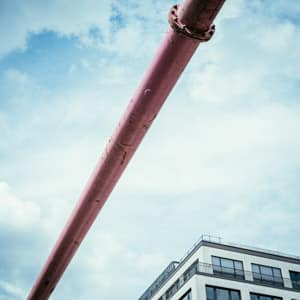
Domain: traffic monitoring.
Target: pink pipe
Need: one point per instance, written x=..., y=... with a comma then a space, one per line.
x=190, y=24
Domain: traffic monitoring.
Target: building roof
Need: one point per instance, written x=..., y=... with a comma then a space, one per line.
x=217, y=242
x=214, y=242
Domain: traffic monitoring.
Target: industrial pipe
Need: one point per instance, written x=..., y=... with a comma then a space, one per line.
x=191, y=23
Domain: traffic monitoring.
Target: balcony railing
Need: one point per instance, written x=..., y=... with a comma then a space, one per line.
x=246, y=275
x=222, y=272
x=219, y=240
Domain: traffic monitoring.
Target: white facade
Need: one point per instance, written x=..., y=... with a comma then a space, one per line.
x=261, y=273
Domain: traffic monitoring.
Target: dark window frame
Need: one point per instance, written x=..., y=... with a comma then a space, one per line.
x=214, y=287
x=295, y=283
x=262, y=276
x=258, y=295
x=236, y=272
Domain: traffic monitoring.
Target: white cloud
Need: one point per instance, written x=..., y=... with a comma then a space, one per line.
x=12, y=292
x=16, y=76
x=223, y=148
x=233, y=150
x=15, y=212
x=19, y=82
x=279, y=38
x=89, y=21
x=19, y=20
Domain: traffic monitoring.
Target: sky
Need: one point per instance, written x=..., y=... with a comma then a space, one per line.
x=222, y=157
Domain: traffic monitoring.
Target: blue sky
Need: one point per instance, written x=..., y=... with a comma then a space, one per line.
x=221, y=158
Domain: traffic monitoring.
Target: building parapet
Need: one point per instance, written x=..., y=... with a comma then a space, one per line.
x=218, y=240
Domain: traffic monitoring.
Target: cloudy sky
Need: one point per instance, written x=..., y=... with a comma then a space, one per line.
x=221, y=158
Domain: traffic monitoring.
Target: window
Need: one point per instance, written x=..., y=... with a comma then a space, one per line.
x=228, y=267
x=217, y=293
x=254, y=296
x=295, y=278
x=190, y=271
x=267, y=274
x=186, y=296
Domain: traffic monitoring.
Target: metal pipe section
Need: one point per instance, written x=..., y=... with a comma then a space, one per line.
x=190, y=23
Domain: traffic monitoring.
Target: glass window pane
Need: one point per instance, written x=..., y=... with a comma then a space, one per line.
x=267, y=277
x=277, y=272
x=216, y=261
x=256, y=276
x=266, y=273
x=235, y=295
x=217, y=269
x=239, y=273
x=227, y=263
x=226, y=266
x=238, y=265
x=266, y=270
x=255, y=268
x=256, y=272
x=265, y=298
x=278, y=279
x=222, y=294
x=293, y=276
x=228, y=270
x=209, y=293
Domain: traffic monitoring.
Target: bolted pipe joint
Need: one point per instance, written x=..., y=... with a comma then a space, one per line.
x=182, y=28
x=194, y=18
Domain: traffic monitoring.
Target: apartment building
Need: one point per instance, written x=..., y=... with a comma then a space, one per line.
x=215, y=270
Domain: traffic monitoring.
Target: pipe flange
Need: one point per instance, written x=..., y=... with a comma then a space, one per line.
x=179, y=27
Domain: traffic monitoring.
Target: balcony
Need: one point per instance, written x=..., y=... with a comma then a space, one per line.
x=244, y=275
x=201, y=268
